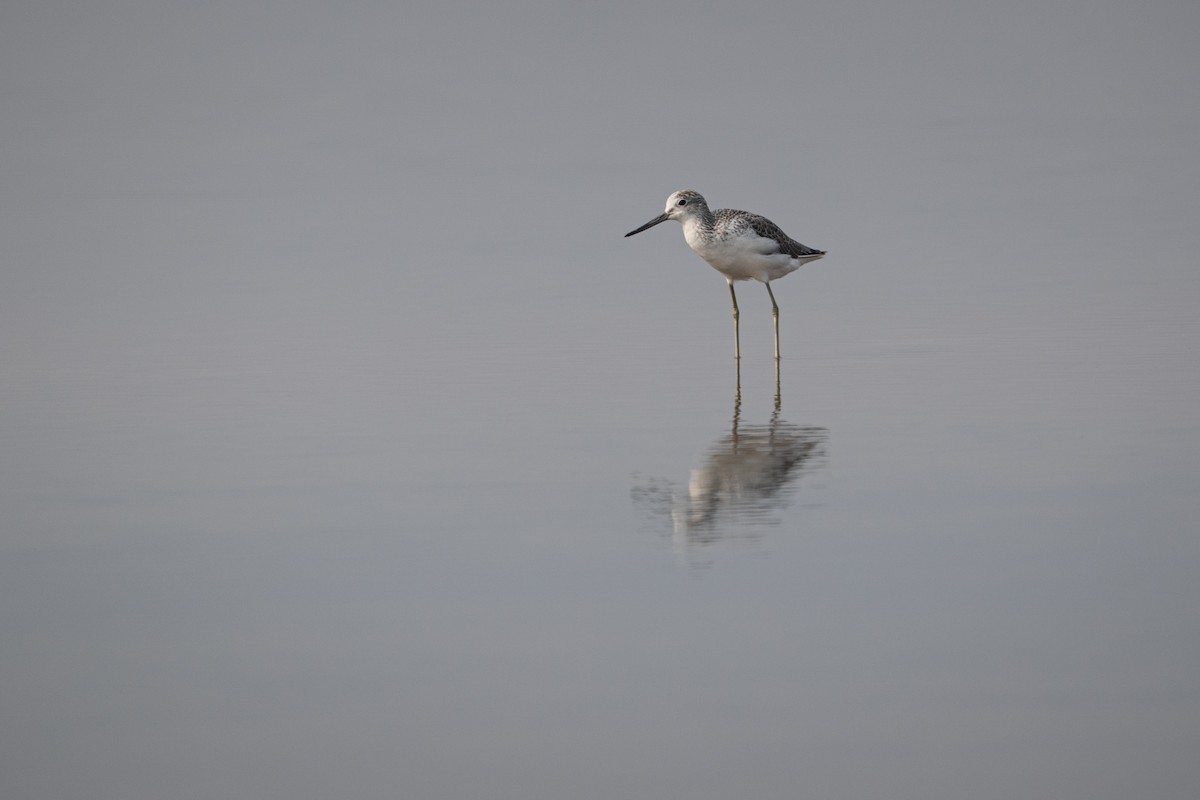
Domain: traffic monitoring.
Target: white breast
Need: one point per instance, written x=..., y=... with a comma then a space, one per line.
x=742, y=257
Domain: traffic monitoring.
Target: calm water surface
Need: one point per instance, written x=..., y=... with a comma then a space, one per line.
x=248, y=552
x=348, y=450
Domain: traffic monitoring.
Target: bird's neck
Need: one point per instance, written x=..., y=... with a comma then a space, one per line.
x=696, y=227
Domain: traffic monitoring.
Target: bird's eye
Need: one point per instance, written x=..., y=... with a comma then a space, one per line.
x=682, y=203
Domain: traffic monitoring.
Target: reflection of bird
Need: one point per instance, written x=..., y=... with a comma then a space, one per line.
x=746, y=476
x=737, y=244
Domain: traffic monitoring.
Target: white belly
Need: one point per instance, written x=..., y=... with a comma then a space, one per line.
x=742, y=258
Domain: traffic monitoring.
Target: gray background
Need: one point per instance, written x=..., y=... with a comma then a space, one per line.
x=346, y=447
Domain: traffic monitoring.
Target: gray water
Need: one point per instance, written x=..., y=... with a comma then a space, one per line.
x=348, y=450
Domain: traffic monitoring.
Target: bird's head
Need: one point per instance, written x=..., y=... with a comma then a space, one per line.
x=680, y=205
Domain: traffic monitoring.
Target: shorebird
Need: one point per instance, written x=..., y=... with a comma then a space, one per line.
x=739, y=245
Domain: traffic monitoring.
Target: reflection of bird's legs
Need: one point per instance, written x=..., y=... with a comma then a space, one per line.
x=737, y=346
x=774, y=316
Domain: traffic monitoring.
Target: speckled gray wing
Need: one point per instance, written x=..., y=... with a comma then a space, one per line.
x=787, y=245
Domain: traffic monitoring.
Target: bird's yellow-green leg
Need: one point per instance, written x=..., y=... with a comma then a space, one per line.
x=737, y=345
x=774, y=316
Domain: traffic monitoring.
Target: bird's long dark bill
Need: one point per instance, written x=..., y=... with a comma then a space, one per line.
x=650, y=224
